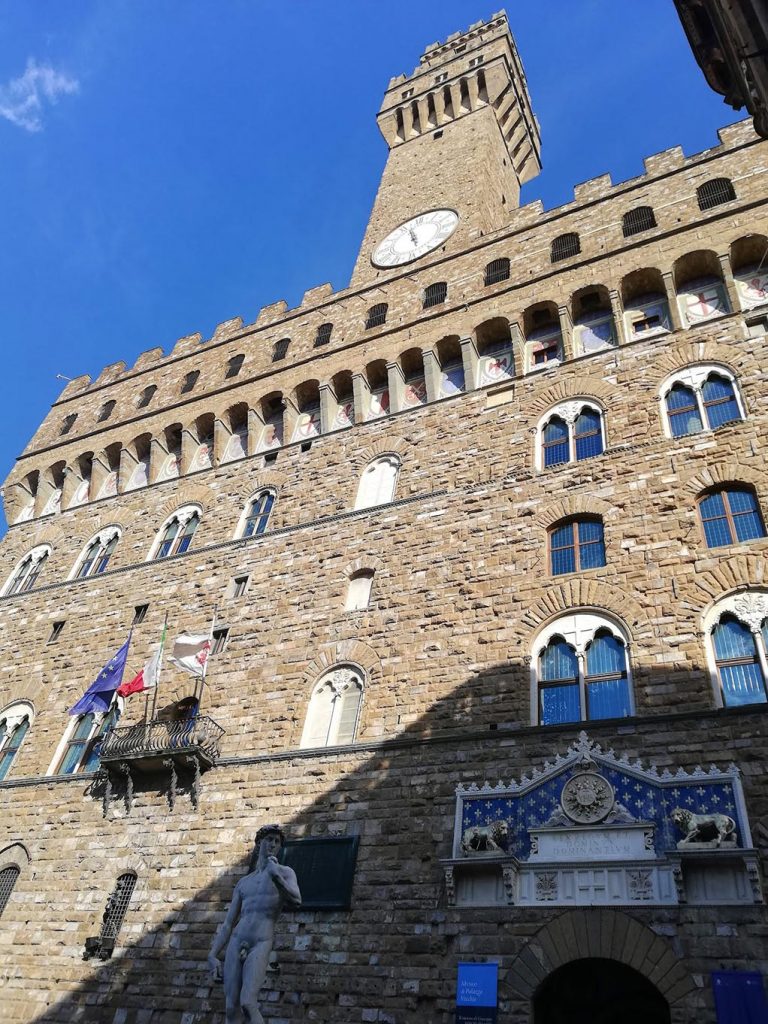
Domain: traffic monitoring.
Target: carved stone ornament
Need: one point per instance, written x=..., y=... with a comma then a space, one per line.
x=546, y=886
x=752, y=609
x=587, y=798
x=341, y=679
x=570, y=411
x=640, y=885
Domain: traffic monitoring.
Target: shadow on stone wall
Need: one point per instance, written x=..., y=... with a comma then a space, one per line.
x=392, y=957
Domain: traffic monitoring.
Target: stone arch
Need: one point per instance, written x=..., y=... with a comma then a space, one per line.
x=687, y=353
x=740, y=572
x=720, y=473
x=372, y=562
x=587, y=593
x=265, y=479
x=15, y=855
x=390, y=446
x=602, y=934
x=187, y=494
x=343, y=651
x=575, y=387
x=575, y=505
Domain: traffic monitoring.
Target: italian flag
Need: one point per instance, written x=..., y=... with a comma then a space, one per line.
x=148, y=676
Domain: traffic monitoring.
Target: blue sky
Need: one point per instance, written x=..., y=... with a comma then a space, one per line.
x=168, y=164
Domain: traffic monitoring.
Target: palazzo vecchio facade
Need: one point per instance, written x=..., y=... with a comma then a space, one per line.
x=485, y=533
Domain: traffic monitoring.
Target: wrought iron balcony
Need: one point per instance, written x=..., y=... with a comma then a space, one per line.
x=159, y=746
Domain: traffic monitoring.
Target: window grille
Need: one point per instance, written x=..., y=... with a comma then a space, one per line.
x=146, y=396
x=189, y=381
x=115, y=910
x=280, y=350
x=56, y=632
x=730, y=516
x=377, y=315
x=565, y=246
x=68, y=423
x=714, y=193
x=640, y=219
x=140, y=613
x=435, y=294
x=234, y=365
x=497, y=270
x=323, y=335
x=8, y=877
x=106, y=411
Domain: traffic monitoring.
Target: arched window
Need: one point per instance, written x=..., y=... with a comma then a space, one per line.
x=334, y=708
x=377, y=315
x=280, y=349
x=234, y=366
x=257, y=514
x=8, y=878
x=571, y=432
x=14, y=726
x=176, y=534
x=730, y=516
x=575, y=545
x=640, y=219
x=114, y=913
x=106, y=411
x=359, y=591
x=26, y=573
x=565, y=246
x=377, y=484
x=496, y=270
x=581, y=670
x=714, y=193
x=323, y=335
x=146, y=396
x=700, y=398
x=67, y=423
x=95, y=558
x=189, y=381
x=82, y=745
x=737, y=631
x=435, y=294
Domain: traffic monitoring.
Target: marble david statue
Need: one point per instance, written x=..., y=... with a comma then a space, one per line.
x=246, y=934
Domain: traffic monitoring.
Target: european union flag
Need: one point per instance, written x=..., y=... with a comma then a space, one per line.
x=99, y=694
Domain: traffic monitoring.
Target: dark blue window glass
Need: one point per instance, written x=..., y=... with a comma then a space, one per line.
x=556, y=445
x=683, y=411
x=606, y=680
x=258, y=514
x=76, y=746
x=730, y=516
x=9, y=751
x=563, y=550
x=591, y=544
x=577, y=545
x=589, y=436
x=719, y=401
x=187, y=533
x=559, y=684
x=738, y=665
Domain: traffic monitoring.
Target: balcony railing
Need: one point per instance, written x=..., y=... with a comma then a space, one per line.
x=199, y=735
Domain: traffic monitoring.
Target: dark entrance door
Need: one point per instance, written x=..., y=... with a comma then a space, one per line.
x=597, y=991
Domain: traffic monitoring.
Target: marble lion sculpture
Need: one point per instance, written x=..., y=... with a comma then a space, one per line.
x=484, y=838
x=702, y=828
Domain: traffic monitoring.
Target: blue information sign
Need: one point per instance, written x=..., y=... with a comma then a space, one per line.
x=476, y=993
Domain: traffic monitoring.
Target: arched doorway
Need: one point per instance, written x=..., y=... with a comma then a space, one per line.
x=598, y=991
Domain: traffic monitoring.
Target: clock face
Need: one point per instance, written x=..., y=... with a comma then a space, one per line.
x=415, y=238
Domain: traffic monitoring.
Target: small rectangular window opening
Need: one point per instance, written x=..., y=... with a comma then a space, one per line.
x=270, y=457
x=55, y=632
x=306, y=445
x=240, y=586
x=140, y=613
x=220, y=638
x=438, y=134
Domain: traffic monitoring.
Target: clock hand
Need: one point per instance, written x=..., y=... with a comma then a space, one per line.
x=414, y=238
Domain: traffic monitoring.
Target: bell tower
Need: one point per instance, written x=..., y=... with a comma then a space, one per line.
x=462, y=138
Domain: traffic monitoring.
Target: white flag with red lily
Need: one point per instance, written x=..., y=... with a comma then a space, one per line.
x=190, y=652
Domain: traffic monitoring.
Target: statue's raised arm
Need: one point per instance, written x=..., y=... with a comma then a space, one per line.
x=246, y=934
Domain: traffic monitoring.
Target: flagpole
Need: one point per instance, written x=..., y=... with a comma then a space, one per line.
x=156, y=687
x=210, y=652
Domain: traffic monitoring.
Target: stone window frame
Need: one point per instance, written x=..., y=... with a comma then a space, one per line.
x=725, y=490
x=339, y=679
x=694, y=377
x=103, y=539
x=750, y=607
x=12, y=716
x=361, y=500
x=569, y=411
x=578, y=628
x=182, y=515
x=575, y=521
x=30, y=566
x=244, y=515
x=353, y=601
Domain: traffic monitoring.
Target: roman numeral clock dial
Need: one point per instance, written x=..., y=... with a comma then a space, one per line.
x=415, y=238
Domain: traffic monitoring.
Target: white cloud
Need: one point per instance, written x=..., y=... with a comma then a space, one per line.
x=22, y=99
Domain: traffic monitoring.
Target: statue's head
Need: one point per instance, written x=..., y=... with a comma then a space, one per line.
x=271, y=837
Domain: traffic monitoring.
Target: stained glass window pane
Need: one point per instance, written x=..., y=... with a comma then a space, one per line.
x=720, y=401
x=556, y=449
x=589, y=438
x=558, y=661
x=683, y=411
x=560, y=704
